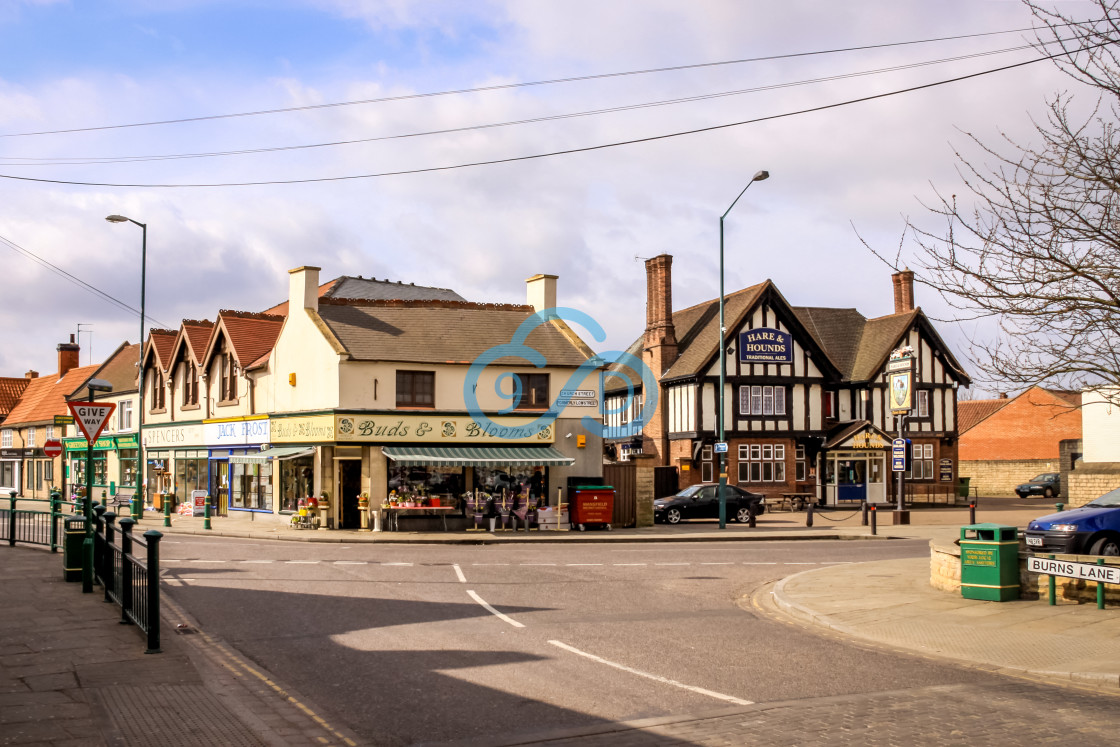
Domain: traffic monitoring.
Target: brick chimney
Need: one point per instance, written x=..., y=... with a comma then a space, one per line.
x=31, y=375
x=660, y=348
x=903, y=291
x=67, y=356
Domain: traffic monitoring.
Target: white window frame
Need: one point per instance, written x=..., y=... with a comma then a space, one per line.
x=124, y=415
x=6, y=438
x=762, y=463
x=923, y=403
x=50, y=432
x=30, y=438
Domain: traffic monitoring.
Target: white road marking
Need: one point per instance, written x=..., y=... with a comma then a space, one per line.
x=405, y=564
x=723, y=563
x=204, y=560
x=655, y=677
x=350, y=562
x=302, y=562
x=482, y=564
x=798, y=563
x=505, y=618
x=672, y=564
x=256, y=561
x=549, y=564
x=836, y=562
x=581, y=564
x=759, y=563
x=630, y=564
x=459, y=573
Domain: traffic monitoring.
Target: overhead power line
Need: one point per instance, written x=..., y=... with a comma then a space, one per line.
x=551, y=154
x=507, y=86
x=76, y=280
x=97, y=160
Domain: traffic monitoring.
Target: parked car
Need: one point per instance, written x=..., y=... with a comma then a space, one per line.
x=1092, y=529
x=702, y=502
x=1048, y=485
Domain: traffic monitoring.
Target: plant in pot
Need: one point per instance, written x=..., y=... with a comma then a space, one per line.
x=363, y=500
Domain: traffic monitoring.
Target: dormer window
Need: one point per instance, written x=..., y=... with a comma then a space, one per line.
x=228, y=379
x=158, y=401
x=190, y=384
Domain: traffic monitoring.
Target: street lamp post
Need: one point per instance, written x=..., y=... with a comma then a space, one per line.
x=138, y=499
x=723, y=358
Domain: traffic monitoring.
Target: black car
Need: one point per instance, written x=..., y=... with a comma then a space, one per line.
x=702, y=502
x=1048, y=485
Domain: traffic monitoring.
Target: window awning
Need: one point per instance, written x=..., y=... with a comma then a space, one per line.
x=280, y=452
x=475, y=456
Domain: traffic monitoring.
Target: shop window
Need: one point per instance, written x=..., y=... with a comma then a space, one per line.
x=766, y=463
x=923, y=403
x=191, y=473
x=128, y=461
x=38, y=474
x=416, y=389
x=251, y=486
x=48, y=471
x=531, y=392
x=8, y=475
x=78, y=470
x=296, y=481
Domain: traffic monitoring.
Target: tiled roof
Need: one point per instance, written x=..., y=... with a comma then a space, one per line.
x=11, y=389
x=45, y=397
x=197, y=334
x=1072, y=398
x=372, y=289
x=440, y=331
x=281, y=308
x=697, y=329
x=251, y=336
x=162, y=342
x=119, y=370
x=971, y=412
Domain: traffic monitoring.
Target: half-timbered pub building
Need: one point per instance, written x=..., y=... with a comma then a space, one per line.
x=806, y=400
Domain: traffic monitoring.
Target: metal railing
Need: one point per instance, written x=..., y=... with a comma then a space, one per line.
x=130, y=581
x=29, y=525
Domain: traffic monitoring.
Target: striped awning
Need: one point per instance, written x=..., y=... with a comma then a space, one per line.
x=476, y=456
x=279, y=452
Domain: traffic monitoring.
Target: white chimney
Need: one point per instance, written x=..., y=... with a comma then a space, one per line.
x=303, y=288
x=541, y=292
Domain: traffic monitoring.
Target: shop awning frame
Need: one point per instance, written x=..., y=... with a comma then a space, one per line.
x=475, y=456
x=279, y=452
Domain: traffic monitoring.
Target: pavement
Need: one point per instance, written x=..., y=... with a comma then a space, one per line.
x=72, y=674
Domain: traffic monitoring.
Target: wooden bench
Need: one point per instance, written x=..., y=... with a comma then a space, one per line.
x=795, y=501
x=123, y=498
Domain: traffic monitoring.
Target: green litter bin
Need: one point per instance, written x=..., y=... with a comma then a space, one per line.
x=75, y=535
x=962, y=486
x=989, y=562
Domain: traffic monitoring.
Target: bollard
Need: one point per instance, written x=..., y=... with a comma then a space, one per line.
x=1100, y=588
x=206, y=515
x=863, y=511
x=972, y=512
x=874, y=527
x=106, y=570
x=54, y=520
x=753, y=521
x=104, y=499
x=153, y=538
x=126, y=569
x=12, y=518
x=1059, y=506
x=809, y=514
x=1053, y=588
x=166, y=512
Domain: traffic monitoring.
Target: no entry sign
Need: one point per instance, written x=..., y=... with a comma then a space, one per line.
x=52, y=448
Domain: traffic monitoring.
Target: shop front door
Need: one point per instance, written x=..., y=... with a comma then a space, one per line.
x=852, y=480
x=219, y=487
x=349, y=488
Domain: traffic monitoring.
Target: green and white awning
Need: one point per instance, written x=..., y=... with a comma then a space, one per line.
x=475, y=456
x=279, y=452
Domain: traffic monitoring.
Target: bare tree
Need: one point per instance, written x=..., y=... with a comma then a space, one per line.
x=1038, y=248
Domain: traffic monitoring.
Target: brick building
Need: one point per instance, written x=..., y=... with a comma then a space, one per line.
x=1005, y=442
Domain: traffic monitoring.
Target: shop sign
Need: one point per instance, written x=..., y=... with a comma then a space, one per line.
x=765, y=345
x=172, y=436
x=459, y=429
x=126, y=442
x=237, y=432
x=868, y=440
x=302, y=429
x=80, y=444
x=11, y=453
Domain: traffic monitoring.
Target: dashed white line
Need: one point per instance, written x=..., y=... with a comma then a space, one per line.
x=478, y=565
x=759, y=563
x=302, y=562
x=547, y=564
x=798, y=563
x=570, y=565
x=721, y=563
x=672, y=563
x=204, y=560
x=655, y=677
x=459, y=573
x=350, y=562
x=256, y=561
x=630, y=564
x=504, y=618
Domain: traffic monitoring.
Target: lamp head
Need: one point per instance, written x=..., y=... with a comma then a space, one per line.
x=99, y=385
x=761, y=176
x=122, y=219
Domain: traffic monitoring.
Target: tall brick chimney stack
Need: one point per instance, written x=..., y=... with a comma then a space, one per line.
x=660, y=348
x=67, y=356
x=903, y=291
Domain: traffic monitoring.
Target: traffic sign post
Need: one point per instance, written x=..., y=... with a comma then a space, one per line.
x=91, y=417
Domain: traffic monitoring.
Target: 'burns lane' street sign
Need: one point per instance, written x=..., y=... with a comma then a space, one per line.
x=91, y=417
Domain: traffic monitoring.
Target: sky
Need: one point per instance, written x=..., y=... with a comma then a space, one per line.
x=405, y=204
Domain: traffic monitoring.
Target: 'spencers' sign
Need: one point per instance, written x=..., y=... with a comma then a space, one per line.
x=1109, y=574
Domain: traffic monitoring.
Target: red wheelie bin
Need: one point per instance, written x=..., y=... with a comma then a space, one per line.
x=591, y=506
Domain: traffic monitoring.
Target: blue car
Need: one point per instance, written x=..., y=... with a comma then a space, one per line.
x=1092, y=529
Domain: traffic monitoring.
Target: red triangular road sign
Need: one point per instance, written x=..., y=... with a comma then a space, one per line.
x=91, y=417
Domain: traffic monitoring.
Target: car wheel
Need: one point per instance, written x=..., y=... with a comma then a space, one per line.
x=1048, y=493
x=673, y=516
x=1107, y=546
x=743, y=514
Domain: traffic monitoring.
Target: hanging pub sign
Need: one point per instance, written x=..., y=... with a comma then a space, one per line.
x=765, y=345
x=900, y=374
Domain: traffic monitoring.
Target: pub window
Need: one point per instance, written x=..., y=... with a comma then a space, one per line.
x=706, y=453
x=762, y=400
x=923, y=403
x=828, y=404
x=802, y=465
x=766, y=463
x=531, y=392
x=416, y=389
x=706, y=472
